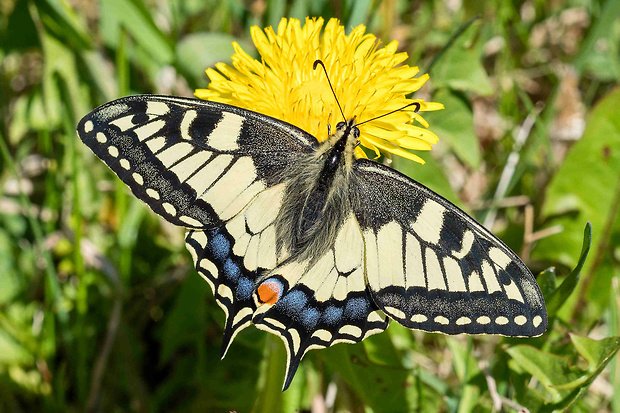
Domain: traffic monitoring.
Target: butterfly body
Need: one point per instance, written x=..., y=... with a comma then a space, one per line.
x=302, y=239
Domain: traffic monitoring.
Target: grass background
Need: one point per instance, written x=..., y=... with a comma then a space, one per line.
x=101, y=309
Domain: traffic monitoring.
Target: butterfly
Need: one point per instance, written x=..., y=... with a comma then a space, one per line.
x=304, y=240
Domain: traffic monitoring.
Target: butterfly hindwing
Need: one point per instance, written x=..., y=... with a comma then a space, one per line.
x=233, y=257
x=431, y=267
x=196, y=163
x=323, y=301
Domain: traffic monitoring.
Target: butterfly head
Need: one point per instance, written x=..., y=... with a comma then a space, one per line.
x=345, y=138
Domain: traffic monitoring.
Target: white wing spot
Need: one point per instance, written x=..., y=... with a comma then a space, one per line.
x=138, y=178
x=152, y=193
x=483, y=320
x=499, y=257
x=419, y=318
x=123, y=123
x=501, y=320
x=88, y=126
x=224, y=291
x=322, y=335
x=169, y=208
x=201, y=238
x=226, y=133
x=395, y=312
x=275, y=323
x=113, y=151
x=537, y=320
x=156, y=108
x=442, y=320
x=463, y=321
x=520, y=320
x=190, y=221
x=374, y=317
x=295, y=339
x=466, y=244
x=186, y=123
x=125, y=164
x=101, y=138
x=429, y=222
x=351, y=330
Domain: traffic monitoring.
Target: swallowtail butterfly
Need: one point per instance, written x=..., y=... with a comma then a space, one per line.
x=302, y=239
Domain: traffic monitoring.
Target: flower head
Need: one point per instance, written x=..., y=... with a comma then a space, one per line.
x=368, y=81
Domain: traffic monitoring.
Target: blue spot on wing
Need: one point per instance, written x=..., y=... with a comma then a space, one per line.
x=220, y=246
x=231, y=270
x=293, y=302
x=309, y=317
x=356, y=308
x=332, y=315
x=244, y=288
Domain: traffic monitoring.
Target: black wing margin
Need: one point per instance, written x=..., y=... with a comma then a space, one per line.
x=431, y=267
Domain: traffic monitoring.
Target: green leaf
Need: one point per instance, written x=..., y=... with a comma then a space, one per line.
x=561, y=294
x=586, y=188
x=133, y=17
x=20, y=31
x=547, y=281
x=66, y=25
x=551, y=370
x=460, y=68
x=596, y=352
x=380, y=387
x=455, y=125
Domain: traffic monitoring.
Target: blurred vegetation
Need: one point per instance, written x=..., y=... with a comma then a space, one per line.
x=101, y=309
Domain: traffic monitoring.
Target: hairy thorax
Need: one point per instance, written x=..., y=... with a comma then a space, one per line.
x=317, y=198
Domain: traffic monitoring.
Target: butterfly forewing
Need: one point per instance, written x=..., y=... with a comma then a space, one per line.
x=195, y=163
x=431, y=267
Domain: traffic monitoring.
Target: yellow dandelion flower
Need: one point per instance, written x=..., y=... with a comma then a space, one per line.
x=368, y=81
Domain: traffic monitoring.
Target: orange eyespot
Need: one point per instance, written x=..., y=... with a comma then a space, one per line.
x=269, y=292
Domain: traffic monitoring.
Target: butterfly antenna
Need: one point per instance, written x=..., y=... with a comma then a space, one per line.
x=417, y=109
x=320, y=62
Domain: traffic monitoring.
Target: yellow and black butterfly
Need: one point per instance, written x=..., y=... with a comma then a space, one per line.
x=302, y=239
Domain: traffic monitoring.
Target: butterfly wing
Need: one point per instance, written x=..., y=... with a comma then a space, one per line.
x=195, y=163
x=321, y=302
x=213, y=168
x=431, y=267
x=233, y=257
